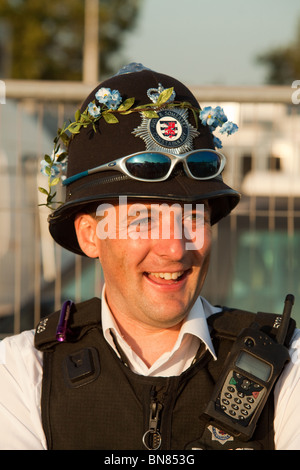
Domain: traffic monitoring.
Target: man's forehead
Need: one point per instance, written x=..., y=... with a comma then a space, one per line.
x=149, y=203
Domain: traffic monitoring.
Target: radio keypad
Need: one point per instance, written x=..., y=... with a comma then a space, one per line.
x=240, y=396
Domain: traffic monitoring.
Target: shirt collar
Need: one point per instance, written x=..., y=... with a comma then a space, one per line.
x=194, y=324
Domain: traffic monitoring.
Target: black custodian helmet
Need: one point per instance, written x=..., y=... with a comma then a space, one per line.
x=113, y=134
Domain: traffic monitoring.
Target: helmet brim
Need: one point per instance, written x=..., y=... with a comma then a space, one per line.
x=179, y=188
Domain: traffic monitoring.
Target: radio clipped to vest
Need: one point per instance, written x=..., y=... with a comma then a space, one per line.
x=249, y=374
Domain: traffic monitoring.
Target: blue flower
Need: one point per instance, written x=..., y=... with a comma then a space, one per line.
x=217, y=142
x=44, y=165
x=229, y=128
x=112, y=99
x=103, y=95
x=115, y=100
x=205, y=114
x=93, y=110
x=220, y=115
x=213, y=117
x=54, y=169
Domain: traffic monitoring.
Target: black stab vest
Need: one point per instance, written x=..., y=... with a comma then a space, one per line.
x=92, y=400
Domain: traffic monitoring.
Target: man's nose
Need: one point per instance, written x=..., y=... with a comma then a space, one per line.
x=171, y=243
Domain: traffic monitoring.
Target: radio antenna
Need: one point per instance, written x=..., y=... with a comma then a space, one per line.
x=288, y=305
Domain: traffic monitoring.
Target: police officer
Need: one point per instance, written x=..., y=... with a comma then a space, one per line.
x=137, y=369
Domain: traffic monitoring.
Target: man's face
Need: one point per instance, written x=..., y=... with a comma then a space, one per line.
x=153, y=263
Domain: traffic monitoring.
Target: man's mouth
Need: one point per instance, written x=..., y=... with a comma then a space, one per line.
x=167, y=276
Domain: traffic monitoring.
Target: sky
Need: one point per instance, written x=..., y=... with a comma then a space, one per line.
x=212, y=42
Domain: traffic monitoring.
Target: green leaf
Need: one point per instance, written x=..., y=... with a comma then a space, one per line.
x=85, y=118
x=74, y=128
x=164, y=96
x=150, y=114
x=61, y=157
x=77, y=115
x=47, y=170
x=110, y=118
x=65, y=138
x=195, y=117
x=47, y=158
x=43, y=190
x=126, y=105
x=62, y=130
x=54, y=182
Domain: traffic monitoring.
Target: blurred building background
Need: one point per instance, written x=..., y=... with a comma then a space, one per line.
x=256, y=251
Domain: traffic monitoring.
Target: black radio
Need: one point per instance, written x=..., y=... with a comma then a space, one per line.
x=249, y=374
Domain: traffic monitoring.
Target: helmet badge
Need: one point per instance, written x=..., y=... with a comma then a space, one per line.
x=170, y=131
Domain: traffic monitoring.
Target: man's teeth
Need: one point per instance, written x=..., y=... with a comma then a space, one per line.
x=168, y=276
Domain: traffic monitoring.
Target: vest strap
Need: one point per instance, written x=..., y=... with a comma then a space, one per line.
x=229, y=323
x=82, y=317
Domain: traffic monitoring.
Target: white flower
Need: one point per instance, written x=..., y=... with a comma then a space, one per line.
x=94, y=110
x=103, y=95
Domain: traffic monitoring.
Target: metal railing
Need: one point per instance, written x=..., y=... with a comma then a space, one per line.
x=77, y=91
x=255, y=254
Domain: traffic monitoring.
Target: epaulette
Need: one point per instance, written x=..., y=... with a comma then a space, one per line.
x=82, y=316
x=230, y=322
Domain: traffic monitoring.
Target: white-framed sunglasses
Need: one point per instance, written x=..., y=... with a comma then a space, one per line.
x=148, y=166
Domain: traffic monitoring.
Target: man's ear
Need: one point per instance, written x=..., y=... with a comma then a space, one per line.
x=85, y=227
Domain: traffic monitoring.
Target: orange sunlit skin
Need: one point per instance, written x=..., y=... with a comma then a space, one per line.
x=151, y=284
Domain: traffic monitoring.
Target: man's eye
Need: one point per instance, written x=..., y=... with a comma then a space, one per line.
x=193, y=217
x=140, y=223
x=143, y=221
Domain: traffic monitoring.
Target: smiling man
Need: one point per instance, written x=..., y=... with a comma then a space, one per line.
x=139, y=368
x=151, y=279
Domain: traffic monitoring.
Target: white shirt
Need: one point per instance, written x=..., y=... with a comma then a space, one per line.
x=21, y=381
x=194, y=329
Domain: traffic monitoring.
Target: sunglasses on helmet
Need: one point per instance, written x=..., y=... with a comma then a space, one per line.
x=202, y=164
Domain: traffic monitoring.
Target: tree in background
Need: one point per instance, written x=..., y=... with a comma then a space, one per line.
x=283, y=63
x=45, y=39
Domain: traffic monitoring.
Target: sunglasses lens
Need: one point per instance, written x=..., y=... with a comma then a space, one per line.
x=149, y=166
x=204, y=164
